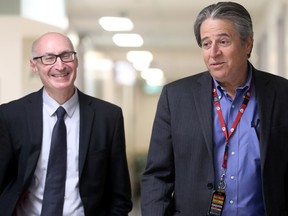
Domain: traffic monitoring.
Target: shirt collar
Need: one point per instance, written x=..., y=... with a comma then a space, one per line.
x=222, y=90
x=52, y=105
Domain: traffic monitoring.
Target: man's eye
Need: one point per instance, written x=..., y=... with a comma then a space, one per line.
x=224, y=42
x=205, y=45
x=65, y=55
x=49, y=58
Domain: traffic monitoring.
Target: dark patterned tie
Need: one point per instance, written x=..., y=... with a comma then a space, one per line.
x=53, y=198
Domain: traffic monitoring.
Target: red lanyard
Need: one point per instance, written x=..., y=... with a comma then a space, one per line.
x=235, y=123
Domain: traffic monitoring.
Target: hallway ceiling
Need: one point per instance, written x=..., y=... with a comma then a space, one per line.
x=165, y=25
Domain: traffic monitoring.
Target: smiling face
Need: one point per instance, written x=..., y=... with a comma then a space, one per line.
x=224, y=54
x=58, y=78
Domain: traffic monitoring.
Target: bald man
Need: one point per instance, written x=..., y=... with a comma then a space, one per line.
x=97, y=178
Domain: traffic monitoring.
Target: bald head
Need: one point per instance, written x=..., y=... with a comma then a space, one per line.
x=48, y=43
x=55, y=61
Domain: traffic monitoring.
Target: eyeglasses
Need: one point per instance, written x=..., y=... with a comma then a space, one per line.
x=50, y=59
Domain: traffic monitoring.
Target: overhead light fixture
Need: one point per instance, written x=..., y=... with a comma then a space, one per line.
x=154, y=80
x=140, y=66
x=128, y=40
x=116, y=23
x=153, y=76
x=140, y=59
x=139, y=55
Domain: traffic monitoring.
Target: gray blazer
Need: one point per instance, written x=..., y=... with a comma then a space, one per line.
x=179, y=176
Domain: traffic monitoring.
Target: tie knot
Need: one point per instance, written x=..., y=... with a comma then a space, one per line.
x=60, y=112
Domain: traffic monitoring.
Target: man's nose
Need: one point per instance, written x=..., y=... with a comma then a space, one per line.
x=214, y=50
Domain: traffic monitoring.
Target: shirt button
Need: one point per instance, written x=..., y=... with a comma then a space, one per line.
x=233, y=106
x=232, y=153
x=210, y=186
x=232, y=177
x=231, y=202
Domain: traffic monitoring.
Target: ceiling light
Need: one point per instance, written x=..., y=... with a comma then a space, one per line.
x=134, y=56
x=152, y=73
x=140, y=66
x=116, y=23
x=153, y=76
x=140, y=59
x=128, y=40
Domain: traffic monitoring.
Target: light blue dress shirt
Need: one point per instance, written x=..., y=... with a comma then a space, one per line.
x=243, y=176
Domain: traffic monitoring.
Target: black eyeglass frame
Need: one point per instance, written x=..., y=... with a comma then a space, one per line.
x=61, y=55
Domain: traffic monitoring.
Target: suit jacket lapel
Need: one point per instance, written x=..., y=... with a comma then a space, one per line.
x=86, y=124
x=34, y=115
x=203, y=100
x=265, y=100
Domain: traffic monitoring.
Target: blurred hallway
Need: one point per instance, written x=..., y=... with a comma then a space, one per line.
x=105, y=71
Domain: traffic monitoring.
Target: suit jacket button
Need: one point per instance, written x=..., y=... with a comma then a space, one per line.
x=210, y=186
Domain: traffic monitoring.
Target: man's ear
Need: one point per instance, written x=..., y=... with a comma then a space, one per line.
x=249, y=44
x=76, y=62
x=33, y=66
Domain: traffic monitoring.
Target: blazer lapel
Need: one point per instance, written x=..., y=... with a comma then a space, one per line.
x=203, y=100
x=33, y=110
x=265, y=100
x=86, y=124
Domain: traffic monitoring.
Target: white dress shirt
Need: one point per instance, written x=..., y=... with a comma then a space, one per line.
x=32, y=204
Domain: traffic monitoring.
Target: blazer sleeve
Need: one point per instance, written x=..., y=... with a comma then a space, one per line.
x=158, y=178
x=6, y=154
x=120, y=181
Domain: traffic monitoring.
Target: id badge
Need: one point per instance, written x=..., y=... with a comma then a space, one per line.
x=217, y=203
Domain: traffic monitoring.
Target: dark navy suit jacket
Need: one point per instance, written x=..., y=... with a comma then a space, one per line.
x=103, y=173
